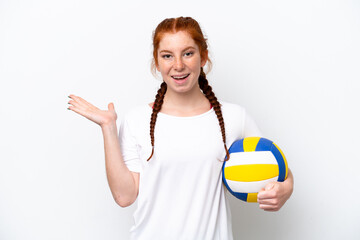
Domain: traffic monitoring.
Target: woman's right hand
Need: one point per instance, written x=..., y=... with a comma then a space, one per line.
x=86, y=109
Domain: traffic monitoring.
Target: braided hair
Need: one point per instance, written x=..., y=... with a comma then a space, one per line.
x=209, y=94
x=159, y=99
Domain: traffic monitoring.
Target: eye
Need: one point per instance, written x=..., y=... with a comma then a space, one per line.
x=188, y=54
x=166, y=56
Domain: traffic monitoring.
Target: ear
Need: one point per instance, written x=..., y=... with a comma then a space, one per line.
x=204, y=58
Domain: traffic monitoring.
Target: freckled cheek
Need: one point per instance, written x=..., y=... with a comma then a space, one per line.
x=195, y=64
x=164, y=68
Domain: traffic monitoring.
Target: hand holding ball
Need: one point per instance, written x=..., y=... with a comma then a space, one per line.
x=254, y=162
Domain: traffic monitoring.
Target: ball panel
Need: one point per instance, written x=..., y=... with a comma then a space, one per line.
x=241, y=158
x=264, y=145
x=248, y=187
x=250, y=143
x=237, y=146
x=285, y=161
x=242, y=196
x=251, y=172
x=252, y=197
x=281, y=162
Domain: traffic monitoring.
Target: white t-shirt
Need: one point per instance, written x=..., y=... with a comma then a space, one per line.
x=181, y=194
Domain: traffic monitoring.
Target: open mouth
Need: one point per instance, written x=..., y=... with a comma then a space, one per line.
x=180, y=78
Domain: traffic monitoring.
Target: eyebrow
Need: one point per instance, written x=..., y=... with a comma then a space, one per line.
x=187, y=48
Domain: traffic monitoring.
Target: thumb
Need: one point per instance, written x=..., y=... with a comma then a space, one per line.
x=269, y=186
x=111, y=107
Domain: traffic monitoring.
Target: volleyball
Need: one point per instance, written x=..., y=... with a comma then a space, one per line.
x=253, y=163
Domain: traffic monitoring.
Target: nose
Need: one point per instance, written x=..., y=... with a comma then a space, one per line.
x=179, y=64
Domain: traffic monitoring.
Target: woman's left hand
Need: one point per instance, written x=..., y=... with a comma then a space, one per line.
x=275, y=194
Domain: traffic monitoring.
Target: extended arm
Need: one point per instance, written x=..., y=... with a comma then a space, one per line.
x=123, y=183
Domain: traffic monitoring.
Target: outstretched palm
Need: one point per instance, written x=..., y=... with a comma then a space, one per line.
x=86, y=109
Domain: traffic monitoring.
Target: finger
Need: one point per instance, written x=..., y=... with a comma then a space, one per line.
x=81, y=101
x=269, y=190
x=266, y=194
x=269, y=186
x=270, y=201
x=78, y=110
x=78, y=106
x=260, y=192
x=111, y=107
x=269, y=208
x=74, y=103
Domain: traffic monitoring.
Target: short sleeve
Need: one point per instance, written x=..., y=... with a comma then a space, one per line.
x=250, y=127
x=129, y=148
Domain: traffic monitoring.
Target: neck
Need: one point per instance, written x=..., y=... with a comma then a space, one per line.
x=185, y=104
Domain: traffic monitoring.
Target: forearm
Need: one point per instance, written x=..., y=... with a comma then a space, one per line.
x=121, y=181
x=289, y=181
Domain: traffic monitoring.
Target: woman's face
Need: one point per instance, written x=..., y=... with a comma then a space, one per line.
x=179, y=62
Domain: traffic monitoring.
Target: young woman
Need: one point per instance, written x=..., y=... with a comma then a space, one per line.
x=172, y=165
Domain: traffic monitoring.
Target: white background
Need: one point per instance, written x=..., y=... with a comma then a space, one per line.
x=293, y=64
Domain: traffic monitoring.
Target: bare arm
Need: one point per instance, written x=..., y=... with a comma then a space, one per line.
x=123, y=183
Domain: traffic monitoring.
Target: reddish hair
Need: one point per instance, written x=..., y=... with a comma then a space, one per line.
x=174, y=25
x=192, y=27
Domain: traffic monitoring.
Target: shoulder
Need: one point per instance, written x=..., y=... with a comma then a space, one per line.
x=233, y=114
x=232, y=109
x=138, y=111
x=238, y=122
x=136, y=121
x=137, y=115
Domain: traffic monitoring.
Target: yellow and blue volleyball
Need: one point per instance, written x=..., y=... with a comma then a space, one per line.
x=253, y=163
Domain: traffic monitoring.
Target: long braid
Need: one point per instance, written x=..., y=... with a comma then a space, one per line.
x=209, y=94
x=159, y=99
